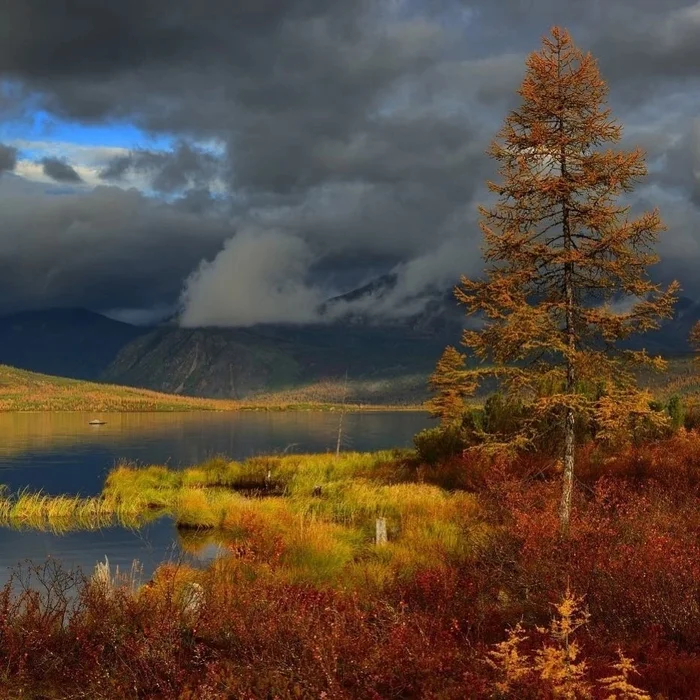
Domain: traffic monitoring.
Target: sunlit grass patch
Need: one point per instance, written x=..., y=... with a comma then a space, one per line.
x=332, y=501
x=300, y=473
x=297, y=518
x=65, y=513
x=142, y=487
x=319, y=552
x=200, y=508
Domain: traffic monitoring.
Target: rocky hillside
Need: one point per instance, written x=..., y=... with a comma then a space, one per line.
x=240, y=363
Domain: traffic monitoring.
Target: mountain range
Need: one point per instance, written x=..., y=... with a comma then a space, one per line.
x=385, y=362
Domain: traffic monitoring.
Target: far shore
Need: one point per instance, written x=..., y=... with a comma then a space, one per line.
x=22, y=391
x=244, y=408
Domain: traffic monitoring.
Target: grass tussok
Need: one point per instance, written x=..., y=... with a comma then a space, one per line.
x=62, y=513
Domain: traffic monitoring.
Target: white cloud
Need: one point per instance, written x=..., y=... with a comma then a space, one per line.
x=259, y=277
x=90, y=160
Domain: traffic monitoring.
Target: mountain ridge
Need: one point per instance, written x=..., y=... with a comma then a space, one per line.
x=387, y=360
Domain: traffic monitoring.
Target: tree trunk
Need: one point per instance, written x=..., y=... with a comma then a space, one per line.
x=568, y=476
x=569, y=421
x=342, y=414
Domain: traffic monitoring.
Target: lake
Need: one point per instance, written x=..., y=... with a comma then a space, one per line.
x=60, y=453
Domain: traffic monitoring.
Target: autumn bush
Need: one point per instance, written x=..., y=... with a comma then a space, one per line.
x=435, y=445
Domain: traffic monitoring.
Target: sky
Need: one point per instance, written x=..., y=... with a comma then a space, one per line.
x=241, y=162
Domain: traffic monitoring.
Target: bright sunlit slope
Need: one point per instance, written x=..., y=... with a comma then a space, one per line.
x=21, y=390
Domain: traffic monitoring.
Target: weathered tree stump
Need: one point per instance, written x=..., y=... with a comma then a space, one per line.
x=380, y=533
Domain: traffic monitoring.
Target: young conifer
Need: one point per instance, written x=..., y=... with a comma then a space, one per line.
x=567, y=268
x=449, y=387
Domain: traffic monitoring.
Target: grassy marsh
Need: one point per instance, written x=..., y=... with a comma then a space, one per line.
x=303, y=518
x=300, y=578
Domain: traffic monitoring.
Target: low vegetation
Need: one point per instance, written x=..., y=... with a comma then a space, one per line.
x=24, y=391
x=397, y=392
x=473, y=551
x=65, y=513
x=21, y=390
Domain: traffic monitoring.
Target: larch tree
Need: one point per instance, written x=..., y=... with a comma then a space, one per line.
x=566, y=275
x=448, y=382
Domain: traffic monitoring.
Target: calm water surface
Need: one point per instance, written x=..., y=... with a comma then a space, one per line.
x=60, y=453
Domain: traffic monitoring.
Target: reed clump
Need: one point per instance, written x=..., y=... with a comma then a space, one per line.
x=41, y=511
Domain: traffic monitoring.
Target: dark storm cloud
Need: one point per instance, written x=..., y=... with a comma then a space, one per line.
x=198, y=200
x=8, y=158
x=353, y=130
x=107, y=248
x=59, y=170
x=678, y=152
x=51, y=39
x=169, y=172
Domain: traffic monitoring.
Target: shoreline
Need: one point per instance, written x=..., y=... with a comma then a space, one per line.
x=252, y=408
x=23, y=391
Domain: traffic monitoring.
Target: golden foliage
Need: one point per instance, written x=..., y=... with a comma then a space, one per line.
x=557, y=667
x=557, y=662
x=511, y=663
x=556, y=225
x=619, y=685
x=566, y=275
x=694, y=338
x=451, y=386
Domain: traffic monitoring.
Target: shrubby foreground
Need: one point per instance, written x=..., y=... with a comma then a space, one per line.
x=303, y=603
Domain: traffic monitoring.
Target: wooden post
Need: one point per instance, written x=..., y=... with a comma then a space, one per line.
x=380, y=536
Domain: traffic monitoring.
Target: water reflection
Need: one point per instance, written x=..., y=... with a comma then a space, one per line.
x=61, y=453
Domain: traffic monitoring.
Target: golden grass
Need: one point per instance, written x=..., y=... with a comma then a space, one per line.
x=326, y=538
x=286, y=530
x=21, y=390
x=64, y=513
